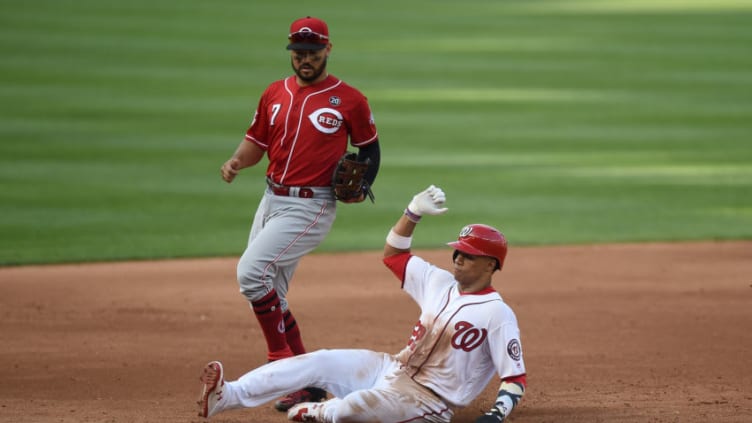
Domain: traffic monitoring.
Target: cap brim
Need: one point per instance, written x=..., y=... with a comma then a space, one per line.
x=466, y=248
x=305, y=46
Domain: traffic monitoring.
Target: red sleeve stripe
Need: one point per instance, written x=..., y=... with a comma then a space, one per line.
x=397, y=263
x=521, y=379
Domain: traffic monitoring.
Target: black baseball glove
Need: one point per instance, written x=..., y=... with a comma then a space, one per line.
x=348, y=180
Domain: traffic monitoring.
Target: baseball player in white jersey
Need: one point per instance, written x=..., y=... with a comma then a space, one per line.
x=466, y=334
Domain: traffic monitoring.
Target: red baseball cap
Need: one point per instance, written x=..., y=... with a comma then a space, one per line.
x=308, y=34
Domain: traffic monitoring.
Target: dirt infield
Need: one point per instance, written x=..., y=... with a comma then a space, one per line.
x=627, y=333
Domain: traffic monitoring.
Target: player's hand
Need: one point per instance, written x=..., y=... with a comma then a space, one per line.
x=429, y=201
x=230, y=170
x=493, y=416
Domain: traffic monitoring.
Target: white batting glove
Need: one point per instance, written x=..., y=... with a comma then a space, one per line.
x=429, y=201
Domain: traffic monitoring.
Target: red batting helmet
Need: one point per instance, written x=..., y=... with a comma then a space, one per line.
x=482, y=240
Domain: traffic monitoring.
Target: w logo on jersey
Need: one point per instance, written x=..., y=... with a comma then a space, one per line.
x=468, y=337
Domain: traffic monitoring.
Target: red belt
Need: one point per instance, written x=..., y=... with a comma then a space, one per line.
x=286, y=192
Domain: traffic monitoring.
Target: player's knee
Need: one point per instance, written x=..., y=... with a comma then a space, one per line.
x=251, y=290
x=248, y=281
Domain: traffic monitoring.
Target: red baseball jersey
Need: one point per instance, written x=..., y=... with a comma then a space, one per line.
x=305, y=130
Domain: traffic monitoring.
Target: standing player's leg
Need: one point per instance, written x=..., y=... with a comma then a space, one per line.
x=290, y=229
x=292, y=334
x=257, y=286
x=317, y=217
x=284, y=230
x=295, y=342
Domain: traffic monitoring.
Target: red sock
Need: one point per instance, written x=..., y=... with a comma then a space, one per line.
x=269, y=315
x=292, y=332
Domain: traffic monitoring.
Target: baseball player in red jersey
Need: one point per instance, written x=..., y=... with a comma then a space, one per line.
x=303, y=124
x=465, y=335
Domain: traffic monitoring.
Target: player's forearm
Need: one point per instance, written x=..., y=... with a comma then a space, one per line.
x=400, y=237
x=511, y=391
x=247, y=154
x=372, y=152
x=510, y=394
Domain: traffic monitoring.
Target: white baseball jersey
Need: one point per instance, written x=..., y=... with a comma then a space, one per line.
x=457, y=346
x=461, y=340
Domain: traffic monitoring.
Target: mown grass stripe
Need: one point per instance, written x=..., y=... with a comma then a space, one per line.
x=554, y=120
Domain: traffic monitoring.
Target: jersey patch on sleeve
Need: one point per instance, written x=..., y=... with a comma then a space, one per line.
x=514, y=350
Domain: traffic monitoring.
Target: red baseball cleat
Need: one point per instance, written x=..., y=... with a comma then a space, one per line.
x=306, y=412
x=211, y=393
x=304, y=395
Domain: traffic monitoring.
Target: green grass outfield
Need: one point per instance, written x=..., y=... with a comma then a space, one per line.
x=559, y=122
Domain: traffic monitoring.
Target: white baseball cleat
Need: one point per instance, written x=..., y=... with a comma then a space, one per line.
x=211, y=393
x=306, y=412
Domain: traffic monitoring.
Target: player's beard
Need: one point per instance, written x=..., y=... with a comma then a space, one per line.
x=317, y=71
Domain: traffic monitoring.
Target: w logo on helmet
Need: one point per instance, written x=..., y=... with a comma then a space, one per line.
x=467, y=230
